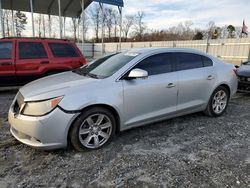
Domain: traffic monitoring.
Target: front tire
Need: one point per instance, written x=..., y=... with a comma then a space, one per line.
x=218, y=102
x=93, y=129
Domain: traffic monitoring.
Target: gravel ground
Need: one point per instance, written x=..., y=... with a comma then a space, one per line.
x=189, y=151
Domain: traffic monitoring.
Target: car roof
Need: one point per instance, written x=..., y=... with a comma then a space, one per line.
x=152, y=50
x=34, y=39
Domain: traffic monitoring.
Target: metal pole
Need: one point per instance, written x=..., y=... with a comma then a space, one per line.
x=207, y=47
x=12, y=23
x=249, y=53
x=1, y=18
x=49, y=26
x=32, y=18
x=101, y=5
x=120, y=38
x=43, y=26
x=78, y=30
x=60, y=18
x=83, y=19
x=64, y=21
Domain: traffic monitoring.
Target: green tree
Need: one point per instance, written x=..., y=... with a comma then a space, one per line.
x=198, y=36
x=20, y=22
x=217, y=32
x=231, y=31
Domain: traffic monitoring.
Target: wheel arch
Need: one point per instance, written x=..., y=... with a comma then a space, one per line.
x=227, y=88
x=108, y=107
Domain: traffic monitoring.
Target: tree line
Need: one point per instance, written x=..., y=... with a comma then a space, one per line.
x=134, y=27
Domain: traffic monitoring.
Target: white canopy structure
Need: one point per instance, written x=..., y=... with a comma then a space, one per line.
x=61, y=8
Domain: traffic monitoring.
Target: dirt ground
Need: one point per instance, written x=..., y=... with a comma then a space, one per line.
x=189, y=151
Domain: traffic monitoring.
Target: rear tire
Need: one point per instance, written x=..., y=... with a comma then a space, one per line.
x=93, y=129
x=218, y=102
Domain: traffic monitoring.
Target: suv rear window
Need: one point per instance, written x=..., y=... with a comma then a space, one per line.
x=31, y=50
x=63, y=50
x=5, y=50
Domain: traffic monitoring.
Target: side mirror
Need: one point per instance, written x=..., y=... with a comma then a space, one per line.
x=137, y=73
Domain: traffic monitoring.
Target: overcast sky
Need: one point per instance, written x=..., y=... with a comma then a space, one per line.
x=162, y=14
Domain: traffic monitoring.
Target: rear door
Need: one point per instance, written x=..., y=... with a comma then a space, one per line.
x=32, y=60
x=7, y=63
x=196, y=80
x=146, y=100
x=65, y=55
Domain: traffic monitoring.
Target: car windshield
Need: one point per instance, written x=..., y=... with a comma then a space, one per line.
x=106, y=66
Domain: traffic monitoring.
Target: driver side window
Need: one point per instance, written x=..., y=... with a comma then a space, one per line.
x=157, y=64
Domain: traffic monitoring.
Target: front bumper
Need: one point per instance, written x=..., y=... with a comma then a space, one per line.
x=45, y=132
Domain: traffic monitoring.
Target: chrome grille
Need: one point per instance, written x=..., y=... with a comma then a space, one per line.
x=242, y=78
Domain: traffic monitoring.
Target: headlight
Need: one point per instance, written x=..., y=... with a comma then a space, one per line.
x=39, y=108
x=248, y=79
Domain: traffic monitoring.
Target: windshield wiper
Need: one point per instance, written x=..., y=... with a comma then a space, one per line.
x=93, y=75
x=78, y=71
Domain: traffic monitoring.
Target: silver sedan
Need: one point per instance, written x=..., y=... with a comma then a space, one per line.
x=87, y=106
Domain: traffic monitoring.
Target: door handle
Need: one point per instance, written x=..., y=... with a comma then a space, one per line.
x=170, y=85
x=6, y=63
x=44, y=62
x=210, y=77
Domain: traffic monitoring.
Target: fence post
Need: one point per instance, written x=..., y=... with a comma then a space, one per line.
x=249, y=53
x=207, y=48
x=93, y=49
x=174, y=45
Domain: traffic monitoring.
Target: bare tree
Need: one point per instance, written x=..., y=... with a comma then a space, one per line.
x=140, y=27
x=128, y=22
x=75, y=24
x=210, y=29
x=109, y=12
x=188, y=32
x=116, y=17
x=96, y=17
x=38, y=21
x=84, y=26
x=7, y=21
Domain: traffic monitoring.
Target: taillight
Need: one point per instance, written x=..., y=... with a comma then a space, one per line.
x=83, y=61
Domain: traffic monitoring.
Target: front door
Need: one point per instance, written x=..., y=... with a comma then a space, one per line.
x=151, y=99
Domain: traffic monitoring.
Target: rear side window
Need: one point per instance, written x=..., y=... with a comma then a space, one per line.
x=207, y=62
x=156, y=64
x=189, y=61
x=31, y=50
x=5, y=50
x=63, y=50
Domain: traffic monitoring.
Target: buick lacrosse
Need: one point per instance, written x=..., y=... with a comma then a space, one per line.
x=87, y=106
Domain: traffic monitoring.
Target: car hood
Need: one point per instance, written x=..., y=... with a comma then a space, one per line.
x=244, y=70
x=53, y=86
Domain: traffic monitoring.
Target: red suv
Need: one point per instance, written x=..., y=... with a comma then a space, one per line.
x=25, y=59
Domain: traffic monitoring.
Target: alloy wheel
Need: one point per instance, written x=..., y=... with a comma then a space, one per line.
x=219, y=102
x=95, y=130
